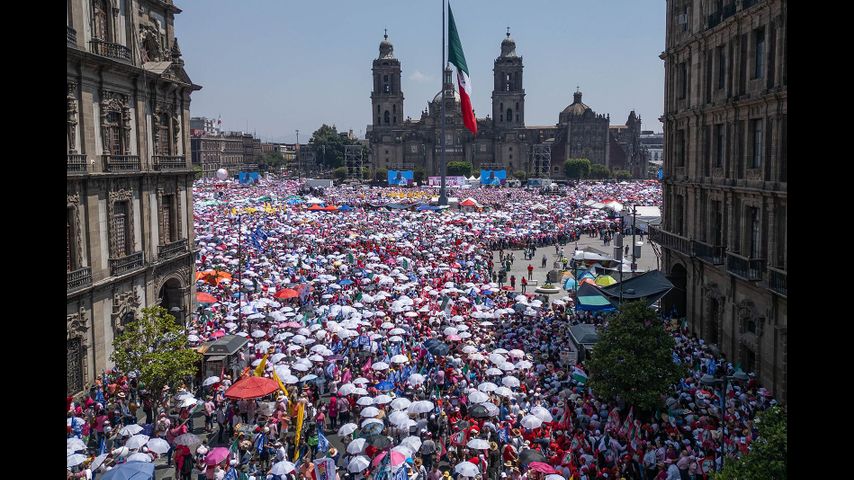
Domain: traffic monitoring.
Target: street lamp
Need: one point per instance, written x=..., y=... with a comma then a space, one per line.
x=618, y=255
x=708, y=380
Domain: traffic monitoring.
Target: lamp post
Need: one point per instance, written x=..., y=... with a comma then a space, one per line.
x=634, y=245
x=618, y=255
x=738, y=376
x=299, y=169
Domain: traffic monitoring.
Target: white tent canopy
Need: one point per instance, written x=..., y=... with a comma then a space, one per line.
x=646, y=216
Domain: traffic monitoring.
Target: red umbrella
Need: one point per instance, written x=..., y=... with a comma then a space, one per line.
x=541, y=467
x=286, y=293
x=203, y=297
x=251, y=387
x=218, y=333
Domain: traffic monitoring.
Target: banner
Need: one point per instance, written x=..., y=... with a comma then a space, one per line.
x=249, y=178
x=449, y=181
x=493, y=177
x=300, y=417
x=401, y=177
x=324, y=469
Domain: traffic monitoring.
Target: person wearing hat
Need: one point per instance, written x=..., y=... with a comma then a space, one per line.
x=493, y=461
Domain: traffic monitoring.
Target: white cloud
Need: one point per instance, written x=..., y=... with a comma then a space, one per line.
x=420, y=77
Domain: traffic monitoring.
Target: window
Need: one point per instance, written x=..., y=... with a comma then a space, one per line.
x=517, y=117
x=386, y=88
x=742, y=69
x=114, y=127
x=783, y=149
x=70, y=241
x=781, y=237
x=707, y=149
x=756, y=130
x=387, y=117
x=709, y=77
x=482, y=147
x=716, y=224
x=721, y=67
x=678, y=213
x=680, y=148
x=168, y=220
x=772, y=54
x=74, y=366
x=162, y=138
x=100, y=21
x=719, y=145
x=682, y=80
x=755, y=232
x=509, y=115
x=122, y=227
x=759, y=53
x=507, y=82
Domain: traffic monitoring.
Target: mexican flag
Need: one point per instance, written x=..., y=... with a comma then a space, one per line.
x=456, y=57
x=579, y=375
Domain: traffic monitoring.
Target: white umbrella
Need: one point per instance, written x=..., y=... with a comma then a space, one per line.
x=136, y=441
x=75, y=459
x=478, y=444
x=416, y=379
x=158, y=445
x=187, y=439
x=503, y=391
x=308, y=378
x=531, y=421
x=289, y=379
x=139, y=457
x=301, y=367
x=487, y=387
x=360, y=391
x=74, y=444
x=516, y=353
x=356, y=446
x=414, y=443
x=510, y=381
x=382, y=399
x=347, y=429
x=476, y=357
x=369, y=421
x=507, y=367
x=421, y=406
x=399, y=359
x=542, y=414
x=282, y=468
x=369, y=412
x=358, y=464
x=494, y=371
x=403, y=449
x=397, y=331
x=478, y=397
x=380, y=366
x=210, y=381
x=259, y=333
x=188, y=402
x=400, y=403
x=467, y=469
x=365, y=401
x=491, y=409
x=362, y=380
x=346, y=389
x=398, y=417
x=524, y=364
x=98, y=461
x=497, y=359
x=469, y=349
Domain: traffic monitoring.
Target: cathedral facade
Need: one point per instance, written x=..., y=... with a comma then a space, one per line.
x=503, y=141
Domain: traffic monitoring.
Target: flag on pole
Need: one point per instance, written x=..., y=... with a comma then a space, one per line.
x=579, y=375
x=458, y=59
x=300, y=418
x=260, y=370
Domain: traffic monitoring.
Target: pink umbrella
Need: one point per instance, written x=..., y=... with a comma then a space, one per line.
x=540, y=467
x=290, y=325
x=453, y=338
x=397, y=458
x=216, y=456
x=218, y=333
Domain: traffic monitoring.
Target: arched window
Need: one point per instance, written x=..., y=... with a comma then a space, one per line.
x=387, y=117
x=394, y=109
x=509, y=114
x=115, y=133
x=386, y=87
x=507, y=82
x=100, y=20
x=162, y=139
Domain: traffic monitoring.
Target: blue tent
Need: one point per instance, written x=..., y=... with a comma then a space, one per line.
x=346, y=208
x=590, y=298
x=131, y=471
x=426, y=207
x=569, y=284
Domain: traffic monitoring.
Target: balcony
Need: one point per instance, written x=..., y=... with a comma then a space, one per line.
x=121, y=266
x=109, y=49
x=79, y=279
x=670, y=241
x=165, y=163
x=777, y=281
x=72, y=35
x=750, y=269
x=76, y=163
x=709, y=253
x=172, y=249
x=121, y=163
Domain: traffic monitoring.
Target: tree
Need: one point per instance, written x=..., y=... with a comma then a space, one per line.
x=577, y=168
x=768, y=453
x=381, y=175
x=271, y=161
x=520, y=175
x=419, y=174
x=633, y=359
x=156, y=347
x=456, y=169
x=198, y=171
x=599, y=171
x=340, y=173
x=329, y=145
x=622, y=174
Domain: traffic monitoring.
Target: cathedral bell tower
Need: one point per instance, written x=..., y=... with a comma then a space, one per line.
x=508, y=96
x=386, y=97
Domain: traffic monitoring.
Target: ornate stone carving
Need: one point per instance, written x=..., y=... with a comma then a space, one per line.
x=71, y=116
x=123, y=304
x=115, y=102
x=73, y=201
x=76, y=326
x=150, y=42
x=120, y=192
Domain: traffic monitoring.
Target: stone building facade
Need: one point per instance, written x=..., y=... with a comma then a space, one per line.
x=129, y=221
x=503, y=140
x=725, y=172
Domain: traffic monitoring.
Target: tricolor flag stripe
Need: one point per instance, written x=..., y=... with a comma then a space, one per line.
x=458, y=59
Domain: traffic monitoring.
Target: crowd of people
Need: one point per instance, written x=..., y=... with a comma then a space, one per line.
x=388, y=337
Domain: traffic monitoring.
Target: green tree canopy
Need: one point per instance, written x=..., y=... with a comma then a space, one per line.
x=633, y=359
x=577, y=168
x=340, y=173
x=419, y=174
x=768, y=453
x=156, y=347
x=622, y=174
x=271, y=161
x=329, y=145
x=381, y=175
x=456, y=169
x=521, y=175
x=599, y=171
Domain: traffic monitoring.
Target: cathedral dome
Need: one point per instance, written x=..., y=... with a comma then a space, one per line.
x=576, y=107
x=386, y=48
x=438, y=97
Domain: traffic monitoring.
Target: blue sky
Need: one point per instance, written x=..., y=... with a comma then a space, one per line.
x=280, y=65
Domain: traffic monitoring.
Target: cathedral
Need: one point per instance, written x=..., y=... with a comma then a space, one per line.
x=503, y=141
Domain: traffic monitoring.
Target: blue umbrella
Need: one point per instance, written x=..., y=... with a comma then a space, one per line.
x=345, y=282
x=345, y=208
x=385, y=386
x=293, y=201
x=131, y=471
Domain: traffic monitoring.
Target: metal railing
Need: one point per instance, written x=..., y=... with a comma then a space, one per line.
x=120, y=266
x=777, y=281
x=76, y=163
x=172, y=249
x=79, y=278
x=750, y=269
x=72, y=35
x=713, y=254
x=109, y=49
x=169, y=162
x=121, y=163
x=670, y=240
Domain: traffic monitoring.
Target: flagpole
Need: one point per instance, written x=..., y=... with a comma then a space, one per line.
x=443, y=194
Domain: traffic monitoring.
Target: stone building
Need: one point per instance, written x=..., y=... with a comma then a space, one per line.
x=129, y=222
x=503, y=140
x=725, y=172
